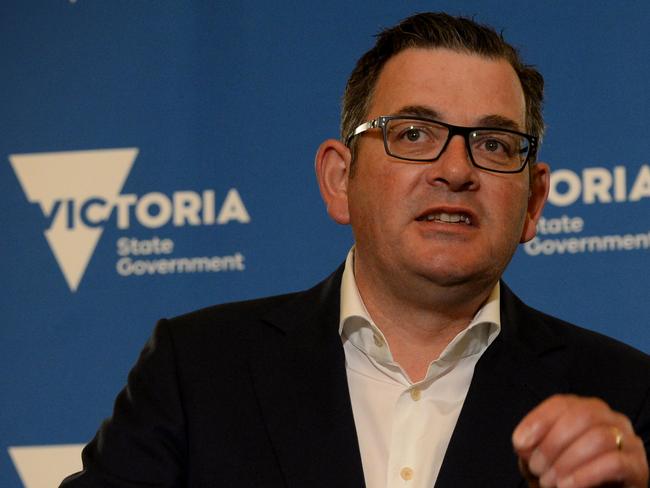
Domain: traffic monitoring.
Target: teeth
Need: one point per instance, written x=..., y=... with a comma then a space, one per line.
x=448, y=218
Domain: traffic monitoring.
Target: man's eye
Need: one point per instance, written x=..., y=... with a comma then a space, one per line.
x=495, y=146
x=413, y=135
x=492, y=145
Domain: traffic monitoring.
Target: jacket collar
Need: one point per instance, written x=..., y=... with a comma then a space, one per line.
x=510, y=379
x=310, y=420
x=301, y=385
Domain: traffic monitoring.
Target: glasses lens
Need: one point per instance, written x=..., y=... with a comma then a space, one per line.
x=499, y=150
x=415, y=139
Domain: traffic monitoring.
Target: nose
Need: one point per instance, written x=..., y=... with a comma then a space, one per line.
x=454, y=169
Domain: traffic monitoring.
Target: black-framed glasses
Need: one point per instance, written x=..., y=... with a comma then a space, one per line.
x=423, y=140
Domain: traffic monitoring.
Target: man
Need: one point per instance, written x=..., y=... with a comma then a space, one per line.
x=412, y=365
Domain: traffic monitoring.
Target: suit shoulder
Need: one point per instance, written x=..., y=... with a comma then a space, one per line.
x=233, y=321
x=232, y=331
x=234, y=311
x=587, y=342
x=541, y=331
x=277, y=309
x=590, y=361
x=576, y=353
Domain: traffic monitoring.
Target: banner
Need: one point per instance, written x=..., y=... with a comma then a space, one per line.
x=158, y=157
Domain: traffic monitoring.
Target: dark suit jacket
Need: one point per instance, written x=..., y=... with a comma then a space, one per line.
x=255, y=394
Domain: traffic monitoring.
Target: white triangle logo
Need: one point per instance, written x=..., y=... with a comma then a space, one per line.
x=61, y=182
x=46, y=466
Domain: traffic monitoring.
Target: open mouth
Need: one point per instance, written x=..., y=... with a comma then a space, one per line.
x=446, y=217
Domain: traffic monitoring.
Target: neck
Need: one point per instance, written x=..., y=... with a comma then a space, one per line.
x=419, y=318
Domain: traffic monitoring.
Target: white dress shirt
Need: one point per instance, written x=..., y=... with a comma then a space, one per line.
x=404, y=427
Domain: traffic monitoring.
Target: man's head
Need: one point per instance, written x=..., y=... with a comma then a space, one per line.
x=435, y=30
x=449, y=223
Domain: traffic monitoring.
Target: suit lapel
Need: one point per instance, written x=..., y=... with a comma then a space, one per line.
x=309, y=417
x=301, y=384
x=509, y=380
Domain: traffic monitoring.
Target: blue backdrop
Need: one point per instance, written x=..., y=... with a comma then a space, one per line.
x=158, y=157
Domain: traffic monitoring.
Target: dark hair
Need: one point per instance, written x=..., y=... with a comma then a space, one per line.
x=436, y=30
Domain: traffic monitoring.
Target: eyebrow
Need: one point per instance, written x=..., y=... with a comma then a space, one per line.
x=418, y=111
x=495, y=121
x=499, y=122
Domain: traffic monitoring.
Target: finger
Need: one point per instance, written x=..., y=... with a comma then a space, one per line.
x=531, y=479
x=612, y=468
x=534, y=426
x=591, y=444
x=587, y=417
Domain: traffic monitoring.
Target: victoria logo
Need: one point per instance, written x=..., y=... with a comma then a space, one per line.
x=76, y=192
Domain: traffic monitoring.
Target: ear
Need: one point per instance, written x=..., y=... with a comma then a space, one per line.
x=539, y=185
x=332, y=170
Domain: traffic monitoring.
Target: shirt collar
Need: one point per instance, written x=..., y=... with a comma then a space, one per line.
x=357, y=325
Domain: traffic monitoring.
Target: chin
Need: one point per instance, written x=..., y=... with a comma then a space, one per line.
x=457, y=275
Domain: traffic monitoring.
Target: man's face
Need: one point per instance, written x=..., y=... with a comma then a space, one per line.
x=404, y=216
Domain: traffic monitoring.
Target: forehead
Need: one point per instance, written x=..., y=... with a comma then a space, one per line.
x=462, y=88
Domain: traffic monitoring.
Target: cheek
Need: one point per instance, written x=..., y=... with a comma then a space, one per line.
x=377, y=204
x=362, y=203
x=377, y=186
x=506, y=206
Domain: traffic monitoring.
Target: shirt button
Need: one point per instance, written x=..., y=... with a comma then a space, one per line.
x=406, y=474
x=415, y=394
x=379, y=342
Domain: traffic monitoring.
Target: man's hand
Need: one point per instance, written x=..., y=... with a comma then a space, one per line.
x=575, y=442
